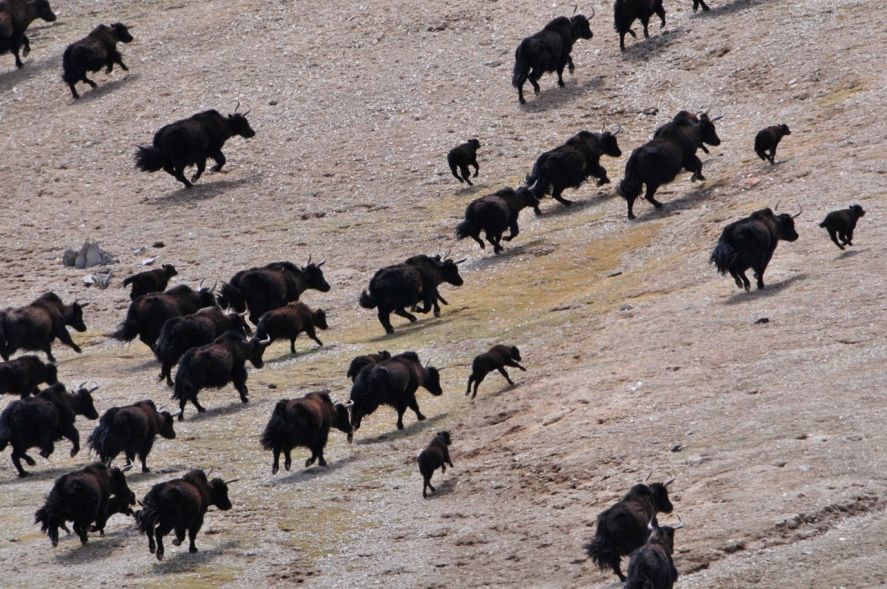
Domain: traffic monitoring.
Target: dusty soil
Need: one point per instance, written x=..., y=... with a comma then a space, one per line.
x=640, y=356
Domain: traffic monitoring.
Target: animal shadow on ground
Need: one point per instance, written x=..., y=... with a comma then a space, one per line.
x=37, y=474
x=15, y=76
x=445, y=487
x=96, y=93
x=687, y=201
x=560, y=210
x=731, y=7
x=769, y=289
x=305, y=351
x=641, y=49
x=98, y=547
x=501, y=391
x=401, y=330
x=300, y=474
x=415, y=426
x=179, y=560
x=847, y=254
x=199, y=191
x=234, y=407
x=553, y=96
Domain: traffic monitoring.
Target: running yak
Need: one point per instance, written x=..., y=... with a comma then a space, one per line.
x=548, y=51
x=36, y=325
x=15, y=18
x=147, y=314
x=95, y=51
x=495, y=213
x=189, y=142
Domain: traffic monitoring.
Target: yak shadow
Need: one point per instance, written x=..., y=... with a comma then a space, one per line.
x=446, y=487
x=96, y=93
x=769, y=289
x=555, y=97
x=397, y=434
x=179, y=560
x=298, y=354
x=578, y=205
x=402, y=330
x=39, y=475
x=641, y=49
x=16, y=76
x=507, y=388
x=199, y=191
x=729, y=8
x=687, y=201
x=214, y=412
x=98, y=547
x=847, y=254
x=303, y=474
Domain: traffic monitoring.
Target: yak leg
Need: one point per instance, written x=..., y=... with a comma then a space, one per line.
x=601, y=174
x=143, y=452
x=201, y=166
x=476, y=237
x=505, y=374
x=514, y=229
x=570, y=65
x=426, y=484
x=73, y=90
x=152, y=546
x=630, y=202
x=81, y=531
x=287, y=459
x=760, y=268
x=833, y=234
x=646, y=22
x=18, y=61
x=219, y=158
x=400, y=412
x=239, y=379
x=192, y=536
x=275, y=466
x=494, y=241
x=61, y=332
x=180, y=537
x=313, y=335
x=560, y=75
x=16, y=462
x=694, y=164
x=166, y=372
x=703, y=4
x=70, y=432
x=476, y=167
x=515, y=364
x=468, y=388
x=27, y=458
x=772, y=155
x=651, y=191
x=520, y=99
x=534, y=80
x=848, y=237
x=88, y=81
x=47, y=349
x=477, y=380
x=401, y=312
x=319, y=452
x=159, y=532
x=179, y=173
x=118, y=59
x=556, y=195
x=466, y=173
x=414, y=405
x=745, y=282
x=385, y=319
x=660, y=12
x=736, y=278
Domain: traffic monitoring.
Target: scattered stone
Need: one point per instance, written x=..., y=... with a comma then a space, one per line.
x=99, y=279
x=677, y=447
x=652, y=111
x=139, y=250
x=805, y=468
x=801, y=437
x=272, y=386
x=780, y=463
x=762, y=321
x=625, y=307
x=614, y=274
x=733, y=546
x=90, y=254
x=158, y=244
x=149, y=261
x=636, y=386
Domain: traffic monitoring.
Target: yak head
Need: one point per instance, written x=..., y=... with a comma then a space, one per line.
x=580, y=27
x=608, y=142
x=218, y=493
x=449, y=271
x=120, y=488
x=444, y=437
x=318, y=316
x=83, y=403
x=707, y=132
x=857, y=210
x=659, y=496
x=474, y=143
x=784, y=130
x=170, y=270
x=663, y=535
x=42, y=10
x=230, y=297
x=255, y=349
x=206, y=297
x=431, y=382
x=342, y=420
x=786, y=226
x=526, y=197
x=74, y=315
x=166, y=425
x=312, y=276
x=238, y=125
x=515, y=354
x=121, y=33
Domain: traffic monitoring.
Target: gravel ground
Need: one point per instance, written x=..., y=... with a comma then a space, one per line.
x=640, y=356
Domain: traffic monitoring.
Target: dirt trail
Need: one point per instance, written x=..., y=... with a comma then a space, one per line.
x=634, y=345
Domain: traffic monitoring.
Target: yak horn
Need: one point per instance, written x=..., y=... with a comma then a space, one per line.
x=592, y=13
x=679, y=525
x=776, y=208
x=647, y=478
x=200, y=284
x=80, y=386
x=457, y=262
x=309, y=260
x=249, y=110
x=668, y=482
x=231, y=481
x=161, y=408
x=322, y=262
x=575, y=8
x=82, y=305
x=93, y=389
x=650, y=525
x=798, y=214
x=127, y=467
x=618, y=129
x=265, y=341
x=348, y=404
x=211, y=469
x=236, y=108
x=718, y=118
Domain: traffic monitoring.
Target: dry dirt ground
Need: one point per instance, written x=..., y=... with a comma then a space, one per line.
x=634, y=345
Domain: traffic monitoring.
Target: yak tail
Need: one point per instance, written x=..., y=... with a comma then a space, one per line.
x=367, y=301
x=823, y=224
x=538, y=184
x=276, y=425
x=4, y=345
x=522, y=65
x=723, y=257
x=183, y=384
x=601, y=552
x=149, y=159
x=5, y=430
x=69, y=71
x=101, y=439
x=630, y=186
x=127, y=331
x=128, y=280
x=148, y=517
x=465, y=229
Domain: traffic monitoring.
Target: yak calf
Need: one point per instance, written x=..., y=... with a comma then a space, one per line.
x=22, y=375
x=131, y=430
x=289, y=321
x=651, y=566
x=150, y=281
x=495, y=213
x=436, y=455
x=461, y=157
x=95, y=51
x=768, y=139
x=15, y=18
x=497, y=358
x=359, y=362
x=840, y=225
x=625, y=12
x=622, y=528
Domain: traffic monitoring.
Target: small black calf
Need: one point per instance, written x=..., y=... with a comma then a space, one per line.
x=497, y=358
x=436, y=455
x=463, y=156
x=840, y=225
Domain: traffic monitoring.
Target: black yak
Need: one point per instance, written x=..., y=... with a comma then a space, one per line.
x=86, y=496
x=180, y=505
x=698, y=3
x=768, y=139
x=147, y=314
x=215, y=365
x=394, y=288
x=180, y=334
x=38, y=422
x=497, y=358
x=289, y=321
x=95, y=51
x=570, y=164
x=840, y=224
x=22, y=375
x=190, y=142
x=622, y=528
x=625, y=12
x=750, y=243
x=260, y=290
x=548, y=51
x=15, y=18
x=303, y=422
x=436, y=455
x=37, y=325
x=495, y=213
x=130, y=430
x=461, y=157
x=658, y=161
x=150, y=281
x=359, y=362
x=651, y=566
x=392, y=382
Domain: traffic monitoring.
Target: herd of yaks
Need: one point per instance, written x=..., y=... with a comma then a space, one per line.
x=210, y=345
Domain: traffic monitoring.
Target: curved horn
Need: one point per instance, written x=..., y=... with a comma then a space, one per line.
x=617, y=131
x=236, y=108
x=457, y=262
x=127, y=467
x=322, y=262
x=668, y=482
x=678, y=525
x=650, y=525
x=209, y=472
x=348, y=404
x=80, y=386
x=215, y=284
x=200, y=284
x=231, y=481
x=798, y=214
x=647, y=478
x=93, y=389
x=309, y=260
x=776, y=208
x=718, y=118
x=592, y=13
x=264, y=342
x=82, y=305
x=249, y=110
x=575, y=8
x=161, y=408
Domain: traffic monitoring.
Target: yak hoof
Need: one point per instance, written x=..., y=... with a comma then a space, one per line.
x=176, y=542
x=287, y=465
x=420, y=417
x=23, y=474
x=309, y=462
x=192, y=549
x=159, y=555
